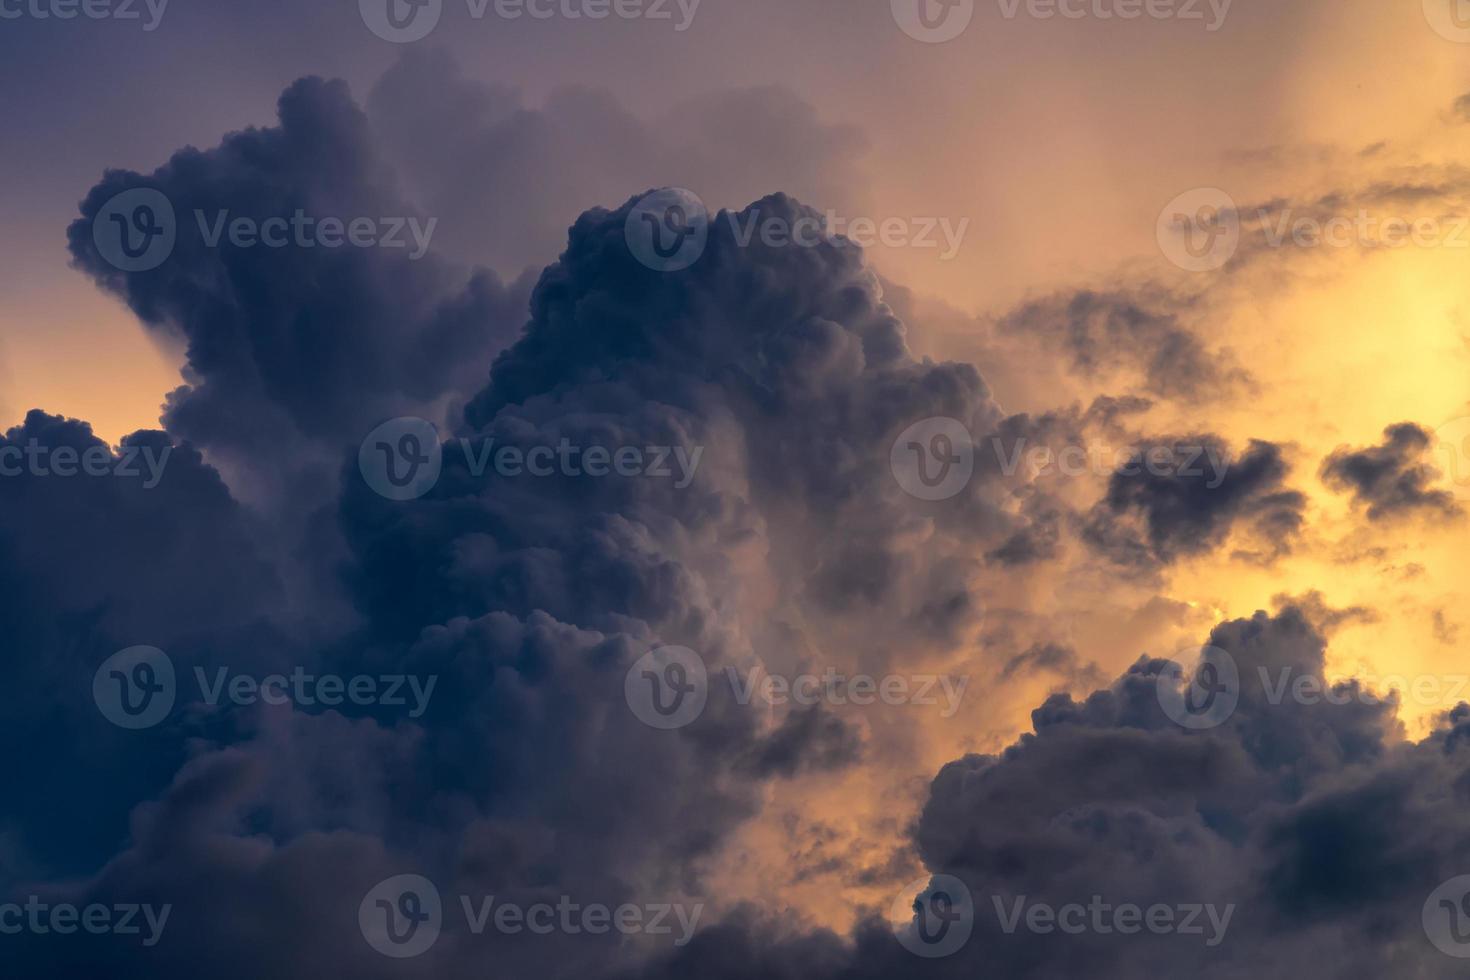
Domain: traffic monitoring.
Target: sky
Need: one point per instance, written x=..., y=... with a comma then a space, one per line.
x=881, y=488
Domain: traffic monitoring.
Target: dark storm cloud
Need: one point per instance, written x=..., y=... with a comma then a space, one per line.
x=1178, y=505
x=294, y=351
x=528, y=600
x=1391, y=479
x=1317, y=821
x=528, y=777
x=1054, y=659
x=1102, y=331
x=91, y=563
x=809, y=738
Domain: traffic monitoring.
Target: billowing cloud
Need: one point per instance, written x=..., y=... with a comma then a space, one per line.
x=1391, y=479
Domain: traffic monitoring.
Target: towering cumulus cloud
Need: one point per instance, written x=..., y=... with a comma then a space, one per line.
x=747, y=511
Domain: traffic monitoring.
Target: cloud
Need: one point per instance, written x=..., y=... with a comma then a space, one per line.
x=1392, y=479
x=506, y=179
x=1322, y=828
x=293, y=352
x=1104, y=331
x=1185, y=496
